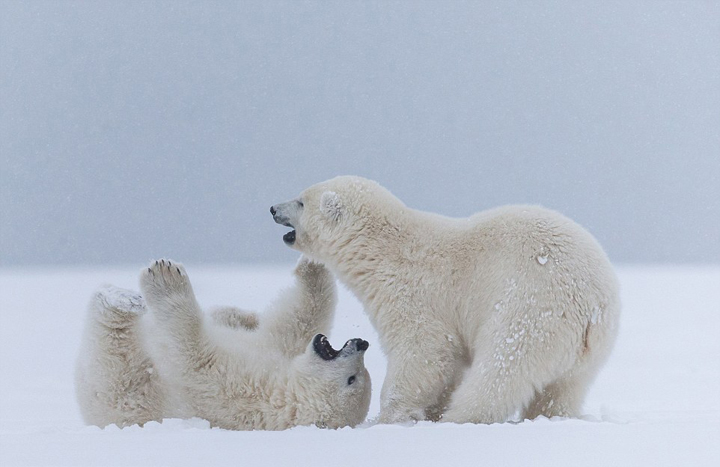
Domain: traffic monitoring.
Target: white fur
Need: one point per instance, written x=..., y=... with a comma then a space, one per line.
x=510, y=311
x=237, y=371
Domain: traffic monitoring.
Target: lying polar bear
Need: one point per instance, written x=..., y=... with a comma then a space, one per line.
x=512, y=310
x=240, y=372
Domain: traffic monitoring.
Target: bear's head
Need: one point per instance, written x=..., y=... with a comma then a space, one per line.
x=332, y=387
x=330, y=215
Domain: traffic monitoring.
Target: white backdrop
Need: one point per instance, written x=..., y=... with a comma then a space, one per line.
x=134, y=130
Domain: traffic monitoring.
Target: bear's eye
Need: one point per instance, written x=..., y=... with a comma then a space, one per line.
x=301, y=204
x=351, y=380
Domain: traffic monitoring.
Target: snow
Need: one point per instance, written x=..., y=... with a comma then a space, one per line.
x=655, y=403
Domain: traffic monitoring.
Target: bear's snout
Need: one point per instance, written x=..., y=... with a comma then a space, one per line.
x=281, y=216
x=361, y=345
x=284, y=214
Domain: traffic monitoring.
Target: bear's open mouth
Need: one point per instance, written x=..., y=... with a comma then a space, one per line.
x=282, y=219
x=289, y=238
x=323, y=348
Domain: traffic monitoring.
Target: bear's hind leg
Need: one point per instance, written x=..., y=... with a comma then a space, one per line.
x=561, y=398
x=116, y=381
x=179, y=322
x=170, y=297
x=508, y=369
x=116, y=308
x=564, y=396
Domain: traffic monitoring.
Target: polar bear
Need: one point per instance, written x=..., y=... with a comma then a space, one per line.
x=236, y=370
x=510, y=312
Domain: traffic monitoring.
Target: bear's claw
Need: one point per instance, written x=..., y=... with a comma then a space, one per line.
x=163, y=278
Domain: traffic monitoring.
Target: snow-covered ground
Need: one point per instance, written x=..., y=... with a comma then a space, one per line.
x=655, y=403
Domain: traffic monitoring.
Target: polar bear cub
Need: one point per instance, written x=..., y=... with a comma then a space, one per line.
x=509, y=312
x=236, y=370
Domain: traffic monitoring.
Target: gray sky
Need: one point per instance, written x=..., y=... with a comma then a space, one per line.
x=135, y=130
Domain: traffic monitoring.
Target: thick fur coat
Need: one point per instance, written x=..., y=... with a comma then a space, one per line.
x=509, y=312
x=156, y=356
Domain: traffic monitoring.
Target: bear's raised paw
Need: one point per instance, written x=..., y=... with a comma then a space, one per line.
x=165, y=278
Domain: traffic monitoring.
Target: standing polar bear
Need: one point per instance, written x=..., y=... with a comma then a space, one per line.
x=510, y=311
x=240, y=372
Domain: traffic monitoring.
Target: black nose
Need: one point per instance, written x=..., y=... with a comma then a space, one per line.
x=272, y=210
x=359, y=344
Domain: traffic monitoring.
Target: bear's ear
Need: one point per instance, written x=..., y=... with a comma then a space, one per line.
x=331, y=206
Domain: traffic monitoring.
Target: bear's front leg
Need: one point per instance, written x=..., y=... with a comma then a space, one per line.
x=304, y=310
x=417, y=385
x=235, y=318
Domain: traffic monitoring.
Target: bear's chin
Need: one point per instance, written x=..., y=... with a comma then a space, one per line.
x=289, y=238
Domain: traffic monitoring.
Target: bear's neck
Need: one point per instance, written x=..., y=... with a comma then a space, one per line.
x=385, y=251
x=280, y=405
x=302, y=403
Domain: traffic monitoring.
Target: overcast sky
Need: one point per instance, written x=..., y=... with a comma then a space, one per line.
x=136, y=130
